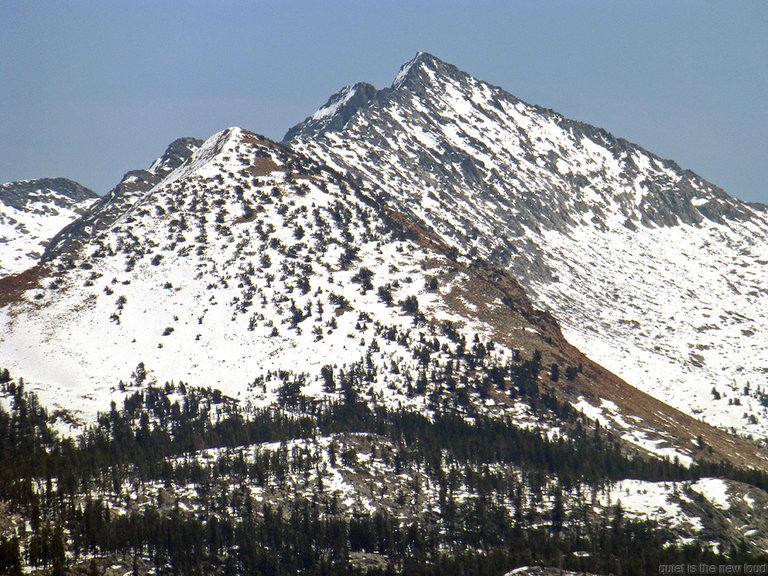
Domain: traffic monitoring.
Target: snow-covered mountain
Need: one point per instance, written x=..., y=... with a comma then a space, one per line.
x=250, y=259
x=651, y=269
x=246, y=259
x=31, y=212
x=248, y=330
x=110, y=206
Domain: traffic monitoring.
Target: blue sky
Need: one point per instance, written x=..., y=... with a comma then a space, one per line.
x=90, y=90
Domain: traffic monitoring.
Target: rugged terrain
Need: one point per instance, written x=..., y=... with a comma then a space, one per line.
x=654, y=271
x=244, y=260
x=31, y=212
x=255, y=358
x=112, y=205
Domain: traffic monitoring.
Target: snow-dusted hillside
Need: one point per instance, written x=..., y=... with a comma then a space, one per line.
x=659, y=275
x=244, y=261
x=250, y=266
x=113, y=204
x=252, y=366
x=31, y=212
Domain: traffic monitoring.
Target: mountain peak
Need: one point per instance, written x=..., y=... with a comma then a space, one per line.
x=177, y=151
x=440, y=110
x=420, y=71
x=102, y=213
x=420, y=59
x=58, y=190
x=424, y=68
x=337, y=111
x=524, y=187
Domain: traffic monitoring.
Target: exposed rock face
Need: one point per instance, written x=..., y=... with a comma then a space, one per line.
x=335, y=113
x=649, y=267
x=61, y=192
x=31, y=212
x=462, y=135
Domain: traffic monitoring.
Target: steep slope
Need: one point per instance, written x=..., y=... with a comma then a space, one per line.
x=650, y=268
x=110, y=206
x=249, y=259
x=259, y=348
x=246, y=258
x=31, y=212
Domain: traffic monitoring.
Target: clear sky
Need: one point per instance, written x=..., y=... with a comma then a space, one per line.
x=90, y=90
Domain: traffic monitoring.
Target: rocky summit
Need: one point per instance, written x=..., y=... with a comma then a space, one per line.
x=649, y=267
x=320, y=356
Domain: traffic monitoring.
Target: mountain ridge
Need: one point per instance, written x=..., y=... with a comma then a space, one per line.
x=611, y=238
x=414, y=77
x=31, y=212
x=256, y=332
x=315, y=356
x=493, y=299
x=107, y=206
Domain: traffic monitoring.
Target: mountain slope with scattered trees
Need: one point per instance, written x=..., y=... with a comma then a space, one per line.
x=256, y=368
x=651, y=269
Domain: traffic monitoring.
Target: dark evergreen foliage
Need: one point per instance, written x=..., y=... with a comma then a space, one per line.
x=149, y=437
